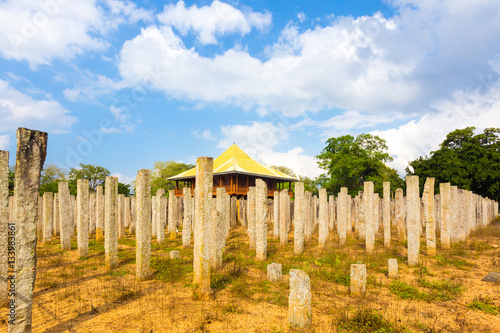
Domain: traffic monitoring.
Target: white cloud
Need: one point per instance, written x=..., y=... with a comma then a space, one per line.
x=39, y=31
x=91, y=87
x=123, y=178
x=301, y=16
x=20, y=110
x=110, y=130
x=122, y=118
x=259, y=141
x=4, y=142
x=372, y=64
x=207, y=22
x=205, y=135
x=419, y=138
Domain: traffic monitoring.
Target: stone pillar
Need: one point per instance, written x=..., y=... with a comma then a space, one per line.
x=186, y=226
x=342, y=215
x=172, y=214
x=413, y=219
x=218, y=231
x=462, y=214
x=361, y=216
x=261, y=219
x=66, y=228
x=153, y=216
x=369, y=217
x=227, y=215
x=470, y=212
x=376, y=212
x=299, y=300
x=276, y=215
x=251, y=216
x=386, y=219
x=454, y=215
x=445, y=197
x=111, y=223
x=283, y=217
x=331, y=213
x=55, y=219
x=82, y=216
x=143, y=232
x=298, y=237
x=274, y=272
x=92, y=213
x=392, y=268
x=133, y=214
x=323, y=218
x=99, y=231
x=315, y=210
x=127, y=212
x=121, y=215
x=161, y=214
x=358, y=279
x=4, y=225
x=429, y=217
x=233, y=211
x=203, y=225
x=31, y=152
x=308, y=218
x=48, y=204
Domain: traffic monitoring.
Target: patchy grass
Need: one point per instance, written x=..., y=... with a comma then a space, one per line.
x=484, y=304
x=442, y=260
x=440, y=290
x=367, y=321
x=169, y=270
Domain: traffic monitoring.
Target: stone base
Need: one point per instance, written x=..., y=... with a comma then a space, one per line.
x=206, y=294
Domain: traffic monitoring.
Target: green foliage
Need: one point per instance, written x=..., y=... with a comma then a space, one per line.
x=349, y=162
x=442, y=290
x=95, y=174
x=169, y=270
x=484, y=304
x=124, y=189
x=162, y=171
x=12, y=177
x=285, y=170
x=367, y=321
x=469, y=161
x=52, y=173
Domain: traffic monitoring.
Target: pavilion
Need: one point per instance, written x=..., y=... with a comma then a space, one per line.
x=235, y=171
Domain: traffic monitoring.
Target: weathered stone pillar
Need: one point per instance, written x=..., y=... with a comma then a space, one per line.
x=392, y=268
x=445, y=197
x=331, y=213
x=361, y=216
x=342, y=215
x=31, y=152
x=376, y=212
x=454, y=215
x=161, y=214
x=48, y=204
x=299, y=300
x=429, y=211
x=127, y=212
x=203, y=225
x=358, y=279
x=82, y=216
x=470, y=212
x=323, y=218
x=283, y=217
x=172, y=214
x=99, y=231
x=227, y=215
x=55, y=219
x=315, y=210
x=153, y=216
x=111, y=223
x=261, y=219
x=276, y=215
x=251, y=216
x=298, y=237
x=92, y=213
x=186, y=226
x=233, y=211
x=66, y=229
x=217, y=241
x=462, y=214
x=121, y=215
x=369, y=217
x=133, y=214
x=274, y=272
x=413, y=219
x=4, y=225
x=143, y=232
x=386, y=219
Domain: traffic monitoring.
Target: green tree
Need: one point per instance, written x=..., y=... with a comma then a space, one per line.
x=94, y=173
x=50, y=176
x=464, y=159
x=350, y=161
x=12, y=177
x=124, y=189
x=163, y=170
x=285, y=170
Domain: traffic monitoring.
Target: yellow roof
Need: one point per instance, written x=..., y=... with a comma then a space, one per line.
x=234, y=160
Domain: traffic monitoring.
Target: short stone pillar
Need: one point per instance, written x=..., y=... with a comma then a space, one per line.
x=111, y=224
x=174, y=254
x=4, y=227
x=30, y=156
x=82, y=217
x=260, y=220
x=358, y=279
x=413, y=219
x=274, y=272
x=392, y=268
x=143, y=230
x=203, y=226
x=299, y=300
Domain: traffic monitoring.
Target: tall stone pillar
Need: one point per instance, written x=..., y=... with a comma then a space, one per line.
x=283, y=217
x=445, y=197
x=369, y=217
x=429, y=217
x=92, y=213
x=233, y=211
x=82, y=216
x=361, y=216
x=413, y=219
x=298, y=237
x=111, y=223
x=323, y=218
x=308, y=218
x=470, y=212
x=4, y=225
x=331, y=213
x=30, y=156
x=143, y=232
x=153, y=216
x=217, y=241
x=203, y=225
x=55, y=219
x=342, y=215
x=251, y=216
x=188, y=216
x=172, y=214
x=48, y=204
x=261, y=219
x=133, y=214
x=276, y=215
x=315, y=210
x=387, y=213
x=66, y=227
x=400, y=215
x=121, y=215
x=99, y=231
x=127, y=212
x=299, y=300
x=161, y=214
x=462, y=213
x=454, y=238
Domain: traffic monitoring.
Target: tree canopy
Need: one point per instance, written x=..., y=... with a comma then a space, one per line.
x=95, y=174
x=163, y=170
x=350, y=161
x=470, y=161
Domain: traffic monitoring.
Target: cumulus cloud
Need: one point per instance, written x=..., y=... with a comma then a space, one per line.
x=260, y=140
x=20, y=110
x=123, y=178
x=39, y=31
x=373, y=64
x=207, y=22
x=205, y=135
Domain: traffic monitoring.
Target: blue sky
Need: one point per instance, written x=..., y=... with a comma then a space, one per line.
x=123, y=84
